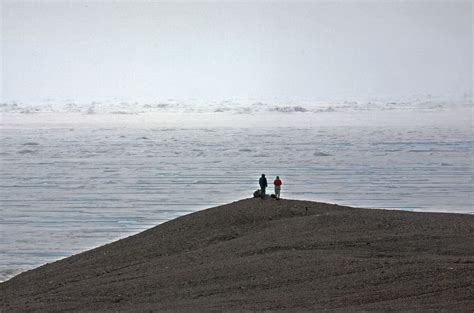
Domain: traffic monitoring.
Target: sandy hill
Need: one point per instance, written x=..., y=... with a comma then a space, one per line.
x=255, y=255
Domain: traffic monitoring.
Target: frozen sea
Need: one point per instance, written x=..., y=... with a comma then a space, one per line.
x=74, y=176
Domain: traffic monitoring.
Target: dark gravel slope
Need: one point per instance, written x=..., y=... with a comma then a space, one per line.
x=259, y=255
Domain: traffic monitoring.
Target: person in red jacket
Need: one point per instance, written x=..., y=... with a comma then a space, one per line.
x=277, y=184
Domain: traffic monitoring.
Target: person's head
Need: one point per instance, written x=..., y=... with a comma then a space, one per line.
x=263, y=175
x=278, y=177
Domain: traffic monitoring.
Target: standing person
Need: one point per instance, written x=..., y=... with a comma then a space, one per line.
x=277, y=184
x=263, y=184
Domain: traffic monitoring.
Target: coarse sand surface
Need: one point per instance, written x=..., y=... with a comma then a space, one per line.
x=266, y=255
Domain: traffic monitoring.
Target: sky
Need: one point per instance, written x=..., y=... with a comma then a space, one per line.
x=104, y=49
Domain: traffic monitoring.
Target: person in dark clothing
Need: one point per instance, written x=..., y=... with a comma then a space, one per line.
x=263, y=184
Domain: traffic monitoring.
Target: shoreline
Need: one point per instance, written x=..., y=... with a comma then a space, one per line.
x=20, y=271
x=266, y=255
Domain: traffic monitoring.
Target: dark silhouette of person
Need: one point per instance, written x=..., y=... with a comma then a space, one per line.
x=263, y=184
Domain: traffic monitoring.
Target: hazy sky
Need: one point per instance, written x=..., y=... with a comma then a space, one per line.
x=86, y=50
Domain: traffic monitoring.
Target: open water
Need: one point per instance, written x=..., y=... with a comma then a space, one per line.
x=72, y=179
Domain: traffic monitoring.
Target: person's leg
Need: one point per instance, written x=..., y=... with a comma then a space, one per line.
x=263, y=192
x=277, y=192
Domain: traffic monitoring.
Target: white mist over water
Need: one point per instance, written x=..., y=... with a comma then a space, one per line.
x=89, y=50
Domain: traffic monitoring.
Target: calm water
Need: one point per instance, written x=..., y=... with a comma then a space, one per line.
x=67, y=189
